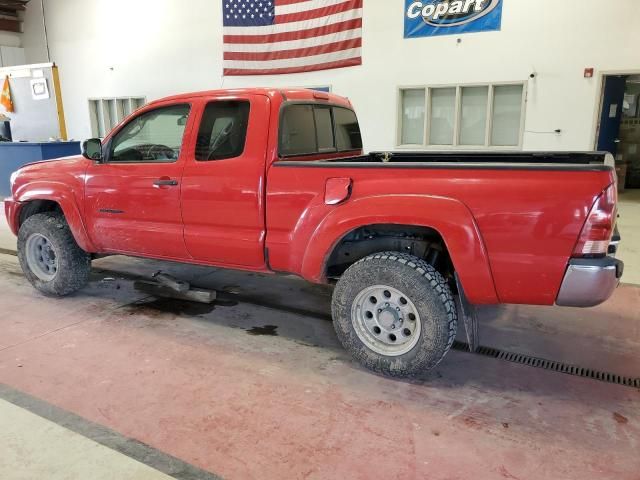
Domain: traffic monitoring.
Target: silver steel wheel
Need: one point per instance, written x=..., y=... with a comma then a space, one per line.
x=386, y=320
x=41, y=257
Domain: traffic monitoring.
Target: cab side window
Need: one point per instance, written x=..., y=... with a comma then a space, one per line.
x=154, y=136
x=347, y=130
x=297, y=131
x=307, y=129
x=223, y=130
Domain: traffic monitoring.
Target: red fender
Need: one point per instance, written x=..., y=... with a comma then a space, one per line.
x=451, y=218
x=62, y=194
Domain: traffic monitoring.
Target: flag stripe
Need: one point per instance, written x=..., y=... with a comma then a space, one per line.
x=295, y=53
x=288, y=36
x=294, y=62
x=289, y=2
x=294, y=26
x=319, y=12
x=294, y=44
x=304, y=5
x=305, y=68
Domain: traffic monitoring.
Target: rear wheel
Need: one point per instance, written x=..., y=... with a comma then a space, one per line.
x=50, y=257
x=394, y=313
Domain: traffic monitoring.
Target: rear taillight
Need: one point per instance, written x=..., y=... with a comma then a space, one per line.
x=598, y=229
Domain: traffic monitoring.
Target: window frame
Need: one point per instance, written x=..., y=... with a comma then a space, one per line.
x=331, y=107
x=201, y=119
x=108, y=148
x=426, y=145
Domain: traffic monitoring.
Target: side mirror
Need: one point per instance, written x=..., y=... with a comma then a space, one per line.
x=92, y=149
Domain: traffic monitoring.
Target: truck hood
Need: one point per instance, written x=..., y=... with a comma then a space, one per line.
x=62, y=161
x=45, y=174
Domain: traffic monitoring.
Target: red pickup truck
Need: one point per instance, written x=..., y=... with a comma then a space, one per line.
x=273, y=180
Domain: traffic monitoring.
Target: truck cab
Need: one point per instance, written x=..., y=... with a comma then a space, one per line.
x=162, y=173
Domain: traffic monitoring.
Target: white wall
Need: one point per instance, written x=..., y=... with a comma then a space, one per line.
x=10, y=39
x=33, y=33
x=160, y=47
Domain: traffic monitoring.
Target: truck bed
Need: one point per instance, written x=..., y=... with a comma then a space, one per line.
x=528, y=208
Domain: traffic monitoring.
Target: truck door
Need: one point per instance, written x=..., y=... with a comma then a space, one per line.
x=132, y=199
x=611, y=114
x=223, y=182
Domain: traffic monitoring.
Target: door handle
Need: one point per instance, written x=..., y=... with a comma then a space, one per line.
x=162, y=182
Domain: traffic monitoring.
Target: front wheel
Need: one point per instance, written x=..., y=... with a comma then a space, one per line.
x=394, y=313
x=50, y=257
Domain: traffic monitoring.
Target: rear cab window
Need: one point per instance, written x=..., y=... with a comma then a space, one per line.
x=312, y=129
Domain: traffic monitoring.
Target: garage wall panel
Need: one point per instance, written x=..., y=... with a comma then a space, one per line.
x=161, y=47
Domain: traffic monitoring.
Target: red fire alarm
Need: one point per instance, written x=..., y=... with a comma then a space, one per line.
x=588, y=73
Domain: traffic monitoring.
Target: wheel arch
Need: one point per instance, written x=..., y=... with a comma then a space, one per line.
x=36, y=200
x=445, y=218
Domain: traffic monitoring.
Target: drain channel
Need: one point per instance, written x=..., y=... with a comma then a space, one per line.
x=549, y=365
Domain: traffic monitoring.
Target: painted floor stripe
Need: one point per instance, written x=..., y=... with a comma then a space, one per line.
x=130, y=447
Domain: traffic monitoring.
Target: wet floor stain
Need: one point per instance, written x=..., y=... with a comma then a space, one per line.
x=173, y=306
x=264, y=330
x=225, y=303
x=621, y=419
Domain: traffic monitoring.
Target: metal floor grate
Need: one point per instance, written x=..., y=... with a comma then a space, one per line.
x=550, y=365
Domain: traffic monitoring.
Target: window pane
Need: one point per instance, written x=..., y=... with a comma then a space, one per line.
x=443, y=106
x=473, y=115
x=324, y=127
x=152, y=136
x=507, y=105
x=347, y=129
x=412, y=117
x=298, y=131
x=223, y=130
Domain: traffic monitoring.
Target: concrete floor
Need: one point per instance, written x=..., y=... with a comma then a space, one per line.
x=257, y=386
x=214, y=388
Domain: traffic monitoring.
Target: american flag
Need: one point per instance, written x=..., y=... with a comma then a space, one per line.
x=265, y=37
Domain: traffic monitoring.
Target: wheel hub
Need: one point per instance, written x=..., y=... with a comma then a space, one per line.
x=41, y=257
x=389, y=318
x=386, y=320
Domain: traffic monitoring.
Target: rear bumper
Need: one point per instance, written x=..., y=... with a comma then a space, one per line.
x=589, y=281
x=11, y=211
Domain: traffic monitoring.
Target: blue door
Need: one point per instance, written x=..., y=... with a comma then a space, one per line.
x=611, y=113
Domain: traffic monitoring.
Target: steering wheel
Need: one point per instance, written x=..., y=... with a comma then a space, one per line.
x=161, y=152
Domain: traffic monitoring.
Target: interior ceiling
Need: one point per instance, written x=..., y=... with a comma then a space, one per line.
x=12, y=7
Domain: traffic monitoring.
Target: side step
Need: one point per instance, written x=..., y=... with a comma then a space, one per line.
x=170, y=287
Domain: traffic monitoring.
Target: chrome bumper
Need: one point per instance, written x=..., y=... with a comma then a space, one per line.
x=589, y=281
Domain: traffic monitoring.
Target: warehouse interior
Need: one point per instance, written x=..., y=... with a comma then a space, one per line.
x=231, y=181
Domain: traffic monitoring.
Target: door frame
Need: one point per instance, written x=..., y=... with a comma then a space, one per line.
x=597, y=114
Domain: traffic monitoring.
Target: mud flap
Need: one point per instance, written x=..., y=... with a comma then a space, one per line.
x=468, y=312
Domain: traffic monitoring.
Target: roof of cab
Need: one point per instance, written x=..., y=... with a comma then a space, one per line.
x=285, y=93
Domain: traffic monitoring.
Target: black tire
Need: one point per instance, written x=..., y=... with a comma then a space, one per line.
x=73, y=263
x=423, y=286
